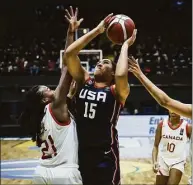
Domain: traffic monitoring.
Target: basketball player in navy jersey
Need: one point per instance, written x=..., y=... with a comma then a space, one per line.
x=98, y=104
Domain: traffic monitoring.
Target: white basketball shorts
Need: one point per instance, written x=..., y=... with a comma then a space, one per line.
x=57, y=175
x=164, y=168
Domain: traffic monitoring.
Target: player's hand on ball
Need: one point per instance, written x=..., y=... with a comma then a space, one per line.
x=134, y=66
x=103, y=24
x=131, y=40
x=72, y=18
x=155, y=167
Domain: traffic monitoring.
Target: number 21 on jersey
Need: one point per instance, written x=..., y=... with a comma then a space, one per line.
x=90, y=110
x=46, y=148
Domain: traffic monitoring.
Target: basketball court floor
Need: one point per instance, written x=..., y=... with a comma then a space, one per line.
x=20, y=157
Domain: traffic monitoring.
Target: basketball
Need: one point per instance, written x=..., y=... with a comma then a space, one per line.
x=120, y=27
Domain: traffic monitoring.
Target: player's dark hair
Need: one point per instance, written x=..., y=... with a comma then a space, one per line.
x=32, y=115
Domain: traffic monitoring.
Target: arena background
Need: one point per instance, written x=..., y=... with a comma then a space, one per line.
x=32, y=35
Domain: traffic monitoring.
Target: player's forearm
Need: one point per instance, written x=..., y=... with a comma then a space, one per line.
x=80, y=43
x=122, y=64
x=154, y=154
x=161, y=97
x=69, y=39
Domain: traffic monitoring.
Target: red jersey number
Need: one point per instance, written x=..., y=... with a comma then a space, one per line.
x=46, y=148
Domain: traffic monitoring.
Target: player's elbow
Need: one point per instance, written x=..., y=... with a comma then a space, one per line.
x=155, y=147
x=123, y=94
x=120, y=74
x=68, y=52
x=164, y=102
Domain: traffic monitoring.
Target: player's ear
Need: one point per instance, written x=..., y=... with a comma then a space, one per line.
x=45, y=100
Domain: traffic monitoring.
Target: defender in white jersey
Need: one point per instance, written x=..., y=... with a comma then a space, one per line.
x=51, y=125
x=169, y=152
x=59, y=158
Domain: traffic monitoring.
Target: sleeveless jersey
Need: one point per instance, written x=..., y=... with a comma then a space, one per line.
x=97, y=113
x=60, y=143
x=173, y=142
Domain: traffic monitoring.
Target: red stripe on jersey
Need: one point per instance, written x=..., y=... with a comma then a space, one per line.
x=89, y=78
x=187, y=131
x=116, y=166
x=174, y=128
x=59, y=123
x=113, y=90
x=161, y=173
x=161, y=124
x=114, y=94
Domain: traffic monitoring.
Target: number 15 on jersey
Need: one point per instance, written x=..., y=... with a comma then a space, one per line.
x=90, y=110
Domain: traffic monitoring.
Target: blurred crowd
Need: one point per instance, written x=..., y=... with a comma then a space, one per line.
x=38, y=58
x=155, y=55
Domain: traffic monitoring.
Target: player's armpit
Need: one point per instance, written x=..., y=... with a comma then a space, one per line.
x=121, y=97
x=60, y=114
x=122, y=88
x=189, y=130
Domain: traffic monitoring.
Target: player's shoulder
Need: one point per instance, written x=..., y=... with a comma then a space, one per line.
x=184, y=121
x=89, y=81
x=46, y=108
x=162, y=123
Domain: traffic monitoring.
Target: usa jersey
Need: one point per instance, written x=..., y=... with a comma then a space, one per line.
x=97, y=112
x=173, y=142
x=60, y=143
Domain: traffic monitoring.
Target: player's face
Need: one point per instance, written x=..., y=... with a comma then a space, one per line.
x=47, y=93
x=103, y=67
x=174, y=116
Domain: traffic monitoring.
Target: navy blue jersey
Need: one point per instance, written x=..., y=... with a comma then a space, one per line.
x=97, y=112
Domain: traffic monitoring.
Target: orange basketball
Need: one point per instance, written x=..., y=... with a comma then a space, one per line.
x=120, y=27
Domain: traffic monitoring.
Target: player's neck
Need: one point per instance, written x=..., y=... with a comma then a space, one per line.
x=101, y=84
x=175, y=122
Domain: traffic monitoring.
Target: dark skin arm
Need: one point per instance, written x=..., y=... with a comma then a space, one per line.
x=189, y=131
x=158, y=136
x=59, y=105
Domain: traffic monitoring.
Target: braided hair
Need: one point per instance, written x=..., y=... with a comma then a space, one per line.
x=33, y=113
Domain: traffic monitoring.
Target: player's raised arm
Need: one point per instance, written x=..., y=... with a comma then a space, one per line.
x=65, y=80
x=121, y=74
x=155, y=147
x=162, y=98
x=71, y=54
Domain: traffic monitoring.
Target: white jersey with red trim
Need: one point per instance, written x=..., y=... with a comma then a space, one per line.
x=60, y=143
x=173, y=142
